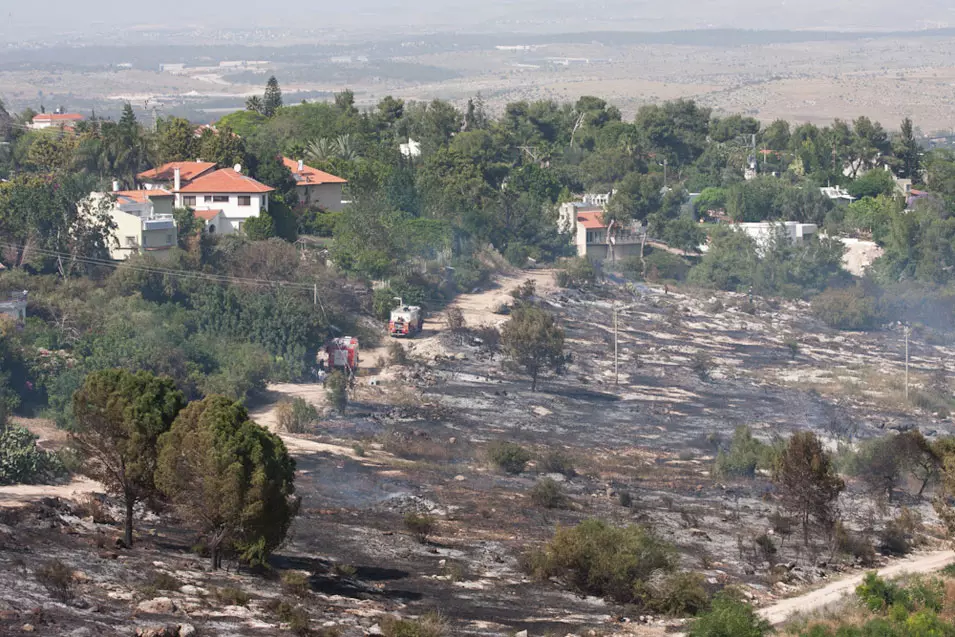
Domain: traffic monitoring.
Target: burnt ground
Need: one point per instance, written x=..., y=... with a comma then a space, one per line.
x=414, y=438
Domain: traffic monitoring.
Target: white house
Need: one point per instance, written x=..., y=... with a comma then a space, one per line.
x=144, y=223
x=213, y=221
x=315, y=187
x=763, y=232
x=237, y=196
x=837, y=193
x=55, y=120
x=595, y=239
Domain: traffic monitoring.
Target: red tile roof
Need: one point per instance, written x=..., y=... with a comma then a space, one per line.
x=57, y=117
x=206, y=215
x=591, y=220
x=225, y=180
x=188, y=170
x=139, y=196
x=310, y=175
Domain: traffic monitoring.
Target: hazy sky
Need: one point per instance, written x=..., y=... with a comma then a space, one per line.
x=20, y=19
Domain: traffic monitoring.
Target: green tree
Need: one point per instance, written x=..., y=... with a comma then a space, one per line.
x=254, y=104
x=533, y=340
x=336, y=387
x=677, y=130
x=807, y=482
x=176, y=140
x=908, y=152
x=222, y=147
x=272, y=100
x=187, y=225
x=229, y=478
x=874, y=183
x=119, y=417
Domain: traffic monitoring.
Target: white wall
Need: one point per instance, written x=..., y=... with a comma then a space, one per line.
x=327, y=196
x=235, y=213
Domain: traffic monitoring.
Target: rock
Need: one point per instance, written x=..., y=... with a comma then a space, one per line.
x=170, y=630
x=522, y=633
x=195, y=591
x=28, y=628
x=187, y=630
x=81, y=632
x=452, y=440
x=459, y=478
x=375, y=630
x=157, y=606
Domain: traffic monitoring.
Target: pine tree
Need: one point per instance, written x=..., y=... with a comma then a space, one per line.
x=908, y=152
x=807, y=482
x=272, y=100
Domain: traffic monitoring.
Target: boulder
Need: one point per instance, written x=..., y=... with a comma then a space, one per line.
x=157, y=606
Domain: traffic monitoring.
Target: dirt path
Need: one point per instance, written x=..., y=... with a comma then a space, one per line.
x=818, y=599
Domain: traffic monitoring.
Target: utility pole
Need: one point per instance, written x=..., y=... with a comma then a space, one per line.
x=906, y=330
x=616, y=372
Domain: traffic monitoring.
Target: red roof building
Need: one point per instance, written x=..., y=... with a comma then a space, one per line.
x=166, y=174
x=52, y=120
x=316, y=187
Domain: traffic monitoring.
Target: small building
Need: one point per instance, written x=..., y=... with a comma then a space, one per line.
x=213, y=221
x=16, y=307
x=762, y=232
x=42, y=121
x=315, y=187
x=411, y=150
x=595, y=239
x=144, y=223
x=237, y=196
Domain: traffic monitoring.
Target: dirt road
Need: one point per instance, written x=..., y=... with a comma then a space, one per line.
x=818, y=599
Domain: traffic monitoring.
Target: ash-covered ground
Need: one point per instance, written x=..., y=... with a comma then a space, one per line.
x=692, y=367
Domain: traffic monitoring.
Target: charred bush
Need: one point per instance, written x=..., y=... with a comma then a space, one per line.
x=58, y=579
x=295, y=583
x=430, y=625
x=557, y=462
x=901, y=534
x=420, y=526
x=854, y=545
x=455, y=319
x=702, y=365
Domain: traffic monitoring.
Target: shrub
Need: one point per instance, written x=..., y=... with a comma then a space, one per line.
x=578, y=272
x=297, y=416
x=876, y=594
x=847, y=309
x=525, y=291
x=793, y=346
x=455, y=319
x=743, y=456
x=625, y=499
x=292, y=614
x=295, y=583
x=58, y=579
x=489, y=337
x=383, y=302
x=232, y=596
x=767, y=548
x=729, y=617
x=548, y=494
x=420, y=526
x=901, y=534
x=702, y=366
x=853, y=544
x=22, y=462
x=557, y=462
x=680, y=594
x=359, y=449
x=508, y=456
x=397, y=354
x=596, y=558
x=430, y=625
x=163, y=581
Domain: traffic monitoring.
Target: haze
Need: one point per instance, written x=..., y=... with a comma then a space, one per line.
x=67, y=18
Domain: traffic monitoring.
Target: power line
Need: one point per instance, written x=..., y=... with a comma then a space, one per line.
x=184, y=274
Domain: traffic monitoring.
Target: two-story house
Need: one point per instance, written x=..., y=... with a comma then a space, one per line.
x=315, y=187
x=55, y=120
x=238, y=197
x=144, y=223
x=595, y=239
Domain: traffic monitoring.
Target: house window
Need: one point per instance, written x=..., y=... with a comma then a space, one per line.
x=168, y=239
x=220, y=198
x=207, y=198
x=189, y=200
x=245, y=200
x=130, y=242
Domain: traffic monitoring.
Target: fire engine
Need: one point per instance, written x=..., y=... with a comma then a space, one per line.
x=406, y=320
x=342, y=354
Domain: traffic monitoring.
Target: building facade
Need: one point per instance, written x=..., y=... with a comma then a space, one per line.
x=315, y=187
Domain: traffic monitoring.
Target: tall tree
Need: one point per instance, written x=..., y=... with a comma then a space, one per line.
x=533, y=340
x=908, y=153
x=272, y=100
x=176, y=140
x=119, y=418
x=229, y=478
x=807, y=482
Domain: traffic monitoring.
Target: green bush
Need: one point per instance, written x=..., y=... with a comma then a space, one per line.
x=847, y=309
x=290, y=613
x=295, y=583
x=660, y=265
x=680, y=594
x=557, y=462
x=876, y=594
x=744, y=456
x=508, y=456
x=578, y=272
x=22, y=462
x=599, y=559
x=232, y=596
x=729, y=617
x=548, y=494
x=420, y=526
x=383, y=302
x=297, y=416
